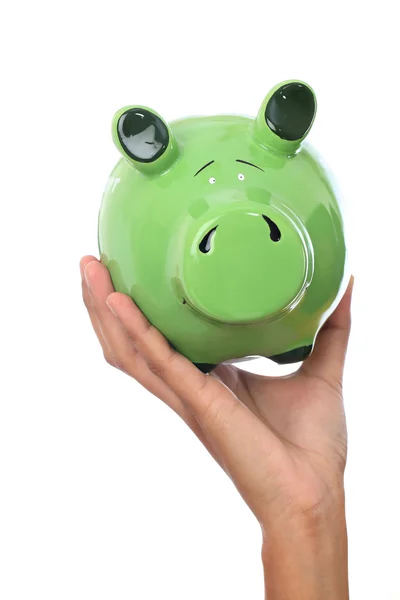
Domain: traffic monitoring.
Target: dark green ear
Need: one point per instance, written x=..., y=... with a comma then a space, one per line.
x=144, y=138
x=286, y=116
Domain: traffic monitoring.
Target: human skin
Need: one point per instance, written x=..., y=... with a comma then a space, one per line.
x=281, y=440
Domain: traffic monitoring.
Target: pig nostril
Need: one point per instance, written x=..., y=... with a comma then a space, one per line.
x=275, y=233
x=205, y=244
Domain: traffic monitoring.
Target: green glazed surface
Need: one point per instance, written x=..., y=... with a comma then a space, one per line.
x=231, y=259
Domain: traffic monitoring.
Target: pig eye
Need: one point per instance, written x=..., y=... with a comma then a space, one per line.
x=142, y=134
x=240, y=176
x=212, y=180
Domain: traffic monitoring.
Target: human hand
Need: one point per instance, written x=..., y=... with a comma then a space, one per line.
x=282, y=440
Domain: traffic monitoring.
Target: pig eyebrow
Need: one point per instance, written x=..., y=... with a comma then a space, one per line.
x=208, y=164
x=249, y=163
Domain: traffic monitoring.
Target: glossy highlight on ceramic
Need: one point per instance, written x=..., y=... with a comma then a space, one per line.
x=225, y=230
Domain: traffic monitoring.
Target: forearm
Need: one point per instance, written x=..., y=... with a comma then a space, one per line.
x=307, y=561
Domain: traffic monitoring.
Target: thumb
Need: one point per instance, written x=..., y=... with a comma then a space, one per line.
x=328, y=357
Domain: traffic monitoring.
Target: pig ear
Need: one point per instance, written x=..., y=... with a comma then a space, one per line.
x=144, y=139
x=286, y=116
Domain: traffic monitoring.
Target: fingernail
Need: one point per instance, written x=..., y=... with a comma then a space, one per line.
x=112, y=310
x=87, y=277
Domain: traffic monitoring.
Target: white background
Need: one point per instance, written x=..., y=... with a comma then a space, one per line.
x=105, y=493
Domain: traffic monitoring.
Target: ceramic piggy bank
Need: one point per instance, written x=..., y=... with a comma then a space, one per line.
x=226, y=230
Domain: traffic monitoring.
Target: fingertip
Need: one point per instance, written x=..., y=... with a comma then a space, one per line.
x=345, y=303
x=341, y=316
x=350, y=290
x=90, y=269
x=119, y=299
x=85, y=260
x=109, y=302
x=122, y=306
x=350, y=287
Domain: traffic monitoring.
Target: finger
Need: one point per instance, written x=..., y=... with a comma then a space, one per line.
x=87, y=299
x=85, y=261
x=169, y=366
x=328, y=357
x=114, y=333
x=115, y=344
x=117, y=341
x=223, y=418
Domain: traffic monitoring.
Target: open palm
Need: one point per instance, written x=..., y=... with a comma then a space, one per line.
x=282, y=440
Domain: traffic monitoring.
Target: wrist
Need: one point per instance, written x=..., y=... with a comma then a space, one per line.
x=305, y=556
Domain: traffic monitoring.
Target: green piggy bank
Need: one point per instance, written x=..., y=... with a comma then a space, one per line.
x=226, y=231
